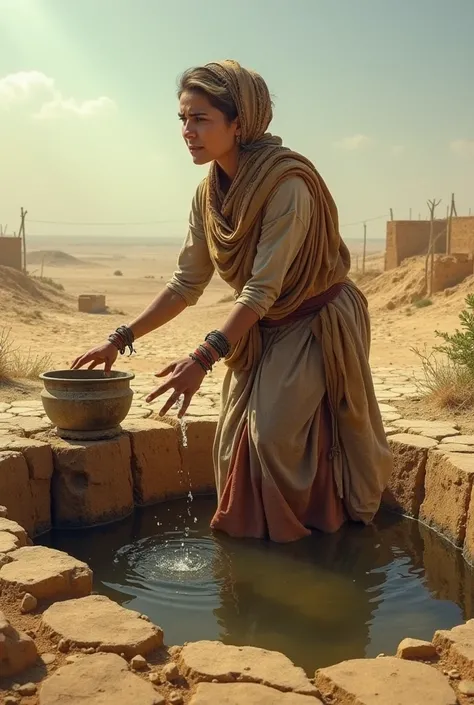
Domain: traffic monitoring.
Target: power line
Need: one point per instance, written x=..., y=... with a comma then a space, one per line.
x=76, y=222
x=164, y=222
x=365, y=220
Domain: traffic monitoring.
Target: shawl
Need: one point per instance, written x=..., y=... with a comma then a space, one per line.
x=233, y=221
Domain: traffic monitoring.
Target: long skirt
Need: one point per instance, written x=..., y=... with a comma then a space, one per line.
x=300, y=443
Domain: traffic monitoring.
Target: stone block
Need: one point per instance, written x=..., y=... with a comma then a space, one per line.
x=416, y=650
x=468, y=548
x=92, y=482
x=99, y=679
x=91, y=303
x=457, y=645
x=198, y=466
x=384, y=681
x=46, y=574
x=247, y=694
x=17, y=650
x=97, y=622
x=214, y=661
x=448, y=486
x=15, y=490
x=39, y=459
x=156, y=461
x=405, y=490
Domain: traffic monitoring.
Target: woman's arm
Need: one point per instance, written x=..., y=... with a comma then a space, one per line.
x=166, y=306
x=193, y=273
x=283, y=231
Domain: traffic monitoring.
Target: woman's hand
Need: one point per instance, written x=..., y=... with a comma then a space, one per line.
x=186, y=378
x=105, y=354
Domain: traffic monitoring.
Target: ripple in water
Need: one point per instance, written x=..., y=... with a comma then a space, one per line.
x=172, y=571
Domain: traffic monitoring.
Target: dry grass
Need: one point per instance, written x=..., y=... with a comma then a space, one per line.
x=445, y=384
x=15, y=363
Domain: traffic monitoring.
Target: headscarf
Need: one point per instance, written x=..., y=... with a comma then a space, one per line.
x=233, y=221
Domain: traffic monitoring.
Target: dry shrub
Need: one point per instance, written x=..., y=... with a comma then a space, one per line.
x=15, y=363
x=446, y=385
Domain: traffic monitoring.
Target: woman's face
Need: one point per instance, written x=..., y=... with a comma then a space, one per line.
x=207, y=133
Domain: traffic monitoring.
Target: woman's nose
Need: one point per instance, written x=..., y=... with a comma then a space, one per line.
x=188, y=131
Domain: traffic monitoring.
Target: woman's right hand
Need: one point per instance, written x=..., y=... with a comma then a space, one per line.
x=105, y=354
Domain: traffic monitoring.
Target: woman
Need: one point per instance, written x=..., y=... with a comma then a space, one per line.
x=300, y=442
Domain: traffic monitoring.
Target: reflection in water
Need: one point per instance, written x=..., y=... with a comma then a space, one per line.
x=320, y=600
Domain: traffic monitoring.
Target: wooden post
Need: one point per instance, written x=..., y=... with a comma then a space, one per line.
x=365, y=248
x=432, y=205
x=42, y=267
x=391, y=213
x=449, y=225
x=21, y=233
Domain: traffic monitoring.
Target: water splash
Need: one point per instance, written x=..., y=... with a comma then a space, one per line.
x=183, y=557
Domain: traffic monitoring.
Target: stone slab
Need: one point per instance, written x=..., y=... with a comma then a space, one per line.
x=462, y=439
x=97, y=622
x=92, y=482
x=405, y=489
x=246, y=694
x=46, y=574
x=212, y=660
x=100, y=679
x=384, y=681
x=448, y=484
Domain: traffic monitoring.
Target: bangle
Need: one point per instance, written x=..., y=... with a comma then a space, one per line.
x=219, y=342
x=123, y=338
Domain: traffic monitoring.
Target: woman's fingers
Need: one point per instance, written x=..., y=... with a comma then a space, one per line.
x=81, y=361
x=93, y=365
x=167, y=370
x=184, y=406
x=160, y=390
x=171, y=402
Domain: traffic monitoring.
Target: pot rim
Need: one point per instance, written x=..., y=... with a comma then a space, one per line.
x=47, y=377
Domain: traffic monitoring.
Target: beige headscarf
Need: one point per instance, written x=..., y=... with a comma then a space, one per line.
x=233, y=221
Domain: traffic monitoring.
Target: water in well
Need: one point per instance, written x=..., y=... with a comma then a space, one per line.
x=320, y=600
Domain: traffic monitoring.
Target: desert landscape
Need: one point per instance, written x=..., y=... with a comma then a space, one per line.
x=40, y=311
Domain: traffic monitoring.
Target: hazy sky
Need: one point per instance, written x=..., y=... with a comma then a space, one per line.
x=378, y=93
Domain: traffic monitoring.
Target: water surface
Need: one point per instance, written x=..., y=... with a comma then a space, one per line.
x=320, y=600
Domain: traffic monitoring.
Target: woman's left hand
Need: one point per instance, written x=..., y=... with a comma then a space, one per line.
x=186, y=378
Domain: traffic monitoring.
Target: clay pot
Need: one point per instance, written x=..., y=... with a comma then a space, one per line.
x=85, y=404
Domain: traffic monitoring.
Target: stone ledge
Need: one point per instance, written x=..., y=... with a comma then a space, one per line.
x=97, y=622
x=448, y=486
x=384, y=681
x=45, y=573
x=97, y=680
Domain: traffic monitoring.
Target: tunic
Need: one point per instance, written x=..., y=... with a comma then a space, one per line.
x=276, y=471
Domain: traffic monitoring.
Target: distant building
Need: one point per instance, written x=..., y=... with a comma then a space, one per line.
x=410, y=238
x=11, y=252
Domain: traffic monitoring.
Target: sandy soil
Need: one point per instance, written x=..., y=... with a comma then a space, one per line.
x=50, y=323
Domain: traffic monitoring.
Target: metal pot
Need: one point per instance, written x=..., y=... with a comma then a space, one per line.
x=85, y=404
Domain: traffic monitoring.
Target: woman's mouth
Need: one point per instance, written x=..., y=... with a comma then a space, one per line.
x=194, y=149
